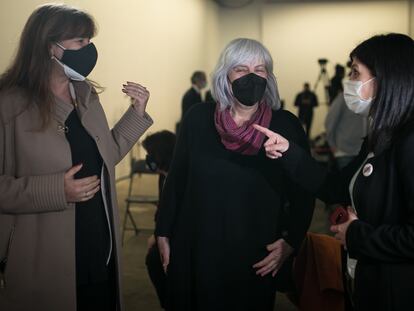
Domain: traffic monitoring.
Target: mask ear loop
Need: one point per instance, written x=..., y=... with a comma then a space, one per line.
x=73, y=94
x=61, y=46
x=71, y=88
x=360, y=87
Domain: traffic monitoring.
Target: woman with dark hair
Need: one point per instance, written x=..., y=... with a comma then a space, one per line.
x=159, y=147
x=379, y=184
x=226, y=226
x=59, y=235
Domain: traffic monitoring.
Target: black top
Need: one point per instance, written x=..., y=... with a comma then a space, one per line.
x=92, y=235
x=382, y=239
x=306, y=101
x=220, y=210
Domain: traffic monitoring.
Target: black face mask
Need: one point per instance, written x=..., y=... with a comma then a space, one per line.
x=82, y=61
x=152, y=165
x=249, y=89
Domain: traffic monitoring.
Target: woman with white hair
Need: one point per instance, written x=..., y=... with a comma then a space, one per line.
x=228, y=217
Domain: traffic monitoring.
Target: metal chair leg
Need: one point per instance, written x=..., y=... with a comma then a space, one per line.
x=124, y=223
x=127, y=215
x=134, y=225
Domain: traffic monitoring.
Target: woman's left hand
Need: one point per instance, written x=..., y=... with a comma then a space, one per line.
x=340, y=230
x=279, y=252
x=139, y=95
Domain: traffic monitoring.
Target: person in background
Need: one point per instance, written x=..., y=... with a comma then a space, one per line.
x=378, y=184
x=193, y=95
x=335, y=86
x=59, y=233
x=345, y=131
x=209, y=97
x=228, y=218
x=306, y=101
x=159, y=147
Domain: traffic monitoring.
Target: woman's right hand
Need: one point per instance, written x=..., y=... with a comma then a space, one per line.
x=80, y=190
x=276, y=144
x=164, y=249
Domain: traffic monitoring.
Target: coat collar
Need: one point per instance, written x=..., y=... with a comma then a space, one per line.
x=83, y=91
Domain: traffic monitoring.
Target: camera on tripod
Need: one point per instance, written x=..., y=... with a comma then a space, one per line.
x=322, y=61
x=323, y=77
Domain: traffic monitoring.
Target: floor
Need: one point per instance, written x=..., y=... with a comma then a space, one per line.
x=138, y=291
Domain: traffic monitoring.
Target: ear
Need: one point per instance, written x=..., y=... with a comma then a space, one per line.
x=55, y=51
x=51, y=50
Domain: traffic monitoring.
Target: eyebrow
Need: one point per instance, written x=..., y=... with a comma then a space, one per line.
x=246, y=66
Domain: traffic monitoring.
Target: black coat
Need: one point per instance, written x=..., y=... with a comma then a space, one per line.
x=220, y=209
x=190, y=98
x=382, y=240
x=306, y=101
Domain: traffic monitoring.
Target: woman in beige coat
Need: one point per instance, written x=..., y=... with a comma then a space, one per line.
x=59, y=235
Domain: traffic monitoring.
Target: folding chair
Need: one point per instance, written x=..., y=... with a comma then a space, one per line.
x=138, y=167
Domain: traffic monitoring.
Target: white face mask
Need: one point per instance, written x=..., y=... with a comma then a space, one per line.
x=353, y=99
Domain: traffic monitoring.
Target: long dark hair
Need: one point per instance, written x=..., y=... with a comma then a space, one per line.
x=32, y=66
x=390, y=59
x=161, y=145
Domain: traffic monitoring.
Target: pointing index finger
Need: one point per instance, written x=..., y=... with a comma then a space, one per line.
x=264, y=130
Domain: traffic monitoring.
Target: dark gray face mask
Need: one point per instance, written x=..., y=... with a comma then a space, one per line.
x=249, y=89
x=78, y=64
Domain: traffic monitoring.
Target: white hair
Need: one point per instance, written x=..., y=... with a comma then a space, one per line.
x=239, y=52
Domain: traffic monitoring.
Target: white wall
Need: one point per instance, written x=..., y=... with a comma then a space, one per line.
x=411, y=17
x=298, y=34
x=158, y=43
x=236, y=23
x=161, y=42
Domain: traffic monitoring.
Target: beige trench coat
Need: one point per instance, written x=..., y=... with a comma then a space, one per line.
x=37, y=225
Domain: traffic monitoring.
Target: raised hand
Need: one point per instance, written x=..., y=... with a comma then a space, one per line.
x=80, y=190
x=139, y=95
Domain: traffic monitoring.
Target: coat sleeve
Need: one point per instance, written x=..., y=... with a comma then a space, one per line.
x=300, y=203
x=389, y=243
x=127, y=131
x=297, y=100
x=329, y=186
x=175, y=184
x=28, y=194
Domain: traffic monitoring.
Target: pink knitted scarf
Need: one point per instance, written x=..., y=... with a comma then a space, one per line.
x=242, y=139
